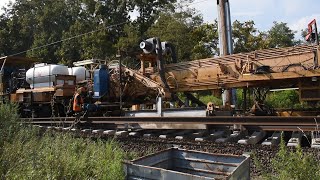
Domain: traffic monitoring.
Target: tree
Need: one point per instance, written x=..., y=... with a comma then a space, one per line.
x=128, y=43
x=40, y=25
x=44, y=23
x=149, y=11
x=171, y=29
x=17, y=26
x=51, y=17
x=246, y=37
x=97, y=18
x=185, y=29
x=280, y=35
x=207, y=41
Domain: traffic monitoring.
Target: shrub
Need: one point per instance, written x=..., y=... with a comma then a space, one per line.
x=210, y=98
x=283, y=99
x=9, y=119
x=291, y=165
x=61, y=157
x=26, y=155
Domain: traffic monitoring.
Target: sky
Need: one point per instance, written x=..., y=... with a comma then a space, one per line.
x=297, y=13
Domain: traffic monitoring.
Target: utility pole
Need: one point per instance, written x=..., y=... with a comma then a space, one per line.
x=225, y=41
x=120, y=80
x=222, y=28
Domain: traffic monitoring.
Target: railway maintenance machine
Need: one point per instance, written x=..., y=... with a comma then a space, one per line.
x=46, y=89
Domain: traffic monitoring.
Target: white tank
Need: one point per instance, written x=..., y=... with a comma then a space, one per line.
x=43, y=75
x=80, y=72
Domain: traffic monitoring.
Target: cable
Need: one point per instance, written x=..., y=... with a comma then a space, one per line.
x=198, y=2
x=73, y=37
x=188, y=4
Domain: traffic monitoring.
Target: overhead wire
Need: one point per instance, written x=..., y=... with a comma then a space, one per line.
x=83, y=34
x=196, y=2
x=67, y=39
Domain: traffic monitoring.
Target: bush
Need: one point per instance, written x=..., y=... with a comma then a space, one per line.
x=60, y=157
x=283, y=99
x=291, y=165
x=210, y=98
x=26, y=155
x=9, y=119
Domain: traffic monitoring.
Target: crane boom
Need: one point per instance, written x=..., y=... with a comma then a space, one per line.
x=274, y=68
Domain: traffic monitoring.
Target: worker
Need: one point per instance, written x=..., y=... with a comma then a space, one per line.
x=78, y=105
x=78, y=100
x=210, y=109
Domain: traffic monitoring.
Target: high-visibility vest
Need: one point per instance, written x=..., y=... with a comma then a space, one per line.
x=77, y=103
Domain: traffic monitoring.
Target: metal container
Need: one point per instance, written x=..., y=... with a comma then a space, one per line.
x=101, y=81
x=182, y=164
x=43, y=75
x=80, y=72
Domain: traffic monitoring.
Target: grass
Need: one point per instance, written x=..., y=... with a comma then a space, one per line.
x=279, y=99
x=288, y=164
x=26, y=155
x=210, y=98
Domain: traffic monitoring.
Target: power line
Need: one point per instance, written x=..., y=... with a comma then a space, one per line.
x=195, y=3
x=186, y=5
x=198, y=2
x=67, y=39
x=79, y=35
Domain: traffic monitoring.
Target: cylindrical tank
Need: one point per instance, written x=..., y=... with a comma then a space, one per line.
x=80, y=72
x=42, y=75
x=101, y=81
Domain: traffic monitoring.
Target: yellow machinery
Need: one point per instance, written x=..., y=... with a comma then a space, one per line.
x=292, y=67
x=273, y=68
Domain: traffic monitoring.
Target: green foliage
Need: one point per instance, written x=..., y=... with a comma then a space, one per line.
x=9, y=119
x=128, y=42
x=210, y=98
x=26, y=155
x=192, y=38
x=240, y=100
x=172, y=29
x=293, y=165
x=95, y=17
x=32, y=24
x=60, y=157
x=280, y=35
x=283, y=99
x=246, y=37
x=149, y=12
x=275, y=99
x=207, y=96
x=207, y=37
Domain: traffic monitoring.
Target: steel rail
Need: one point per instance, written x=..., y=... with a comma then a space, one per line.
x=215, y=120
x=283, y=128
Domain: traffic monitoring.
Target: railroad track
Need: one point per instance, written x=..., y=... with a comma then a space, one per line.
x=144, y=142
x=243, y=130
x=266, y=123
x=261, y=134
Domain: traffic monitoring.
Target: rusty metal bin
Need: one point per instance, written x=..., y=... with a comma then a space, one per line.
x=176, y=164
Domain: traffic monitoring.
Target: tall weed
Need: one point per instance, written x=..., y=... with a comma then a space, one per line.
x=26, y=155
x=291, y=165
